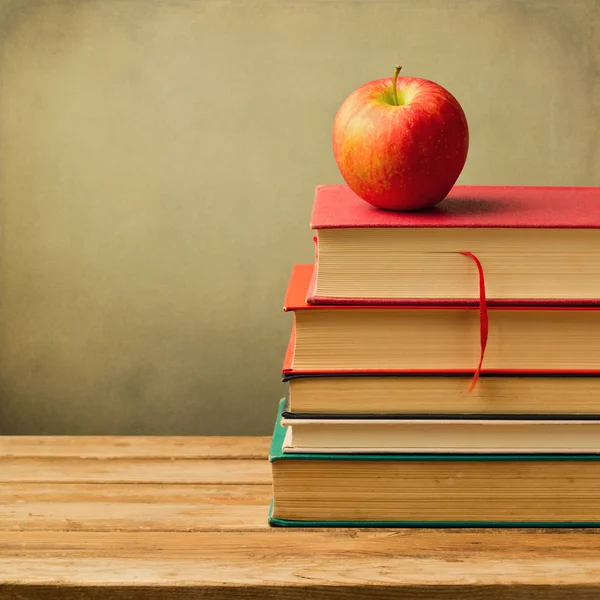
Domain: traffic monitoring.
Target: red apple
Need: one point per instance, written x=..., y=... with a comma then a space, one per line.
x=400, y=143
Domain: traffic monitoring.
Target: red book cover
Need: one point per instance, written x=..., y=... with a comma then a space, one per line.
x=337, y=206
x=289, y=353
x=295, y=300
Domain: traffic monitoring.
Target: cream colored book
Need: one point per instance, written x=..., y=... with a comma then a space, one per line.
x=441, y=435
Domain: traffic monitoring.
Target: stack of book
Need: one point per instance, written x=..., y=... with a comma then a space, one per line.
x=444, y=365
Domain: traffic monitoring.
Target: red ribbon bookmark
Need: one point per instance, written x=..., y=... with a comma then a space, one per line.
x=483, y=317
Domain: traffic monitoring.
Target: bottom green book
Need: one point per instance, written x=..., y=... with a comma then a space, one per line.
x=432, y=490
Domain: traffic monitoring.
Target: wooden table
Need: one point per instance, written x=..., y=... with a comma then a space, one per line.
x=181, y=518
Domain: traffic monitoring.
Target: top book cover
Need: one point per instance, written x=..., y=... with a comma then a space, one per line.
x=535, y=245
x=548, y=207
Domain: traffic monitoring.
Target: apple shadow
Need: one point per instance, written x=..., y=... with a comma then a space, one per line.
x=464, y=205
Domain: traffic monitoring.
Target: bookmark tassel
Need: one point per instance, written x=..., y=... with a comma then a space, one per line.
x=483, y=318
x=315, y=240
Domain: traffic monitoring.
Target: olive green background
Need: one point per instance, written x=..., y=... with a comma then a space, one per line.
x=157, y=167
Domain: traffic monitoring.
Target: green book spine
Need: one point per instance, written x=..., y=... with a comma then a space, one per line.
x=275, y=522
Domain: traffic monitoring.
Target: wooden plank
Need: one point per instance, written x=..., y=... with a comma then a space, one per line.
x=144, y=522
x=543, y=546
x=133, y=470
x=141, y=507
x=318, y=563
x=143, y=447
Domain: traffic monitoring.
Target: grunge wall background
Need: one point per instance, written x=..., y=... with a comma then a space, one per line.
x=157, y=167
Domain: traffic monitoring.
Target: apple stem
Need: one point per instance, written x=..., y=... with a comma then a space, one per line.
x=394, y=88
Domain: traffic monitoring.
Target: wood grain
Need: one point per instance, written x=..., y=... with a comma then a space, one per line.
x=413, y=561
x=156, y=520
x=140, y=507
x=538, y=546
x=132, y=470
x=140, y=447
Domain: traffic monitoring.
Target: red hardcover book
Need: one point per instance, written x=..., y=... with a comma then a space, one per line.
x=535, y=245
x=288, y=359
x=430, y=338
